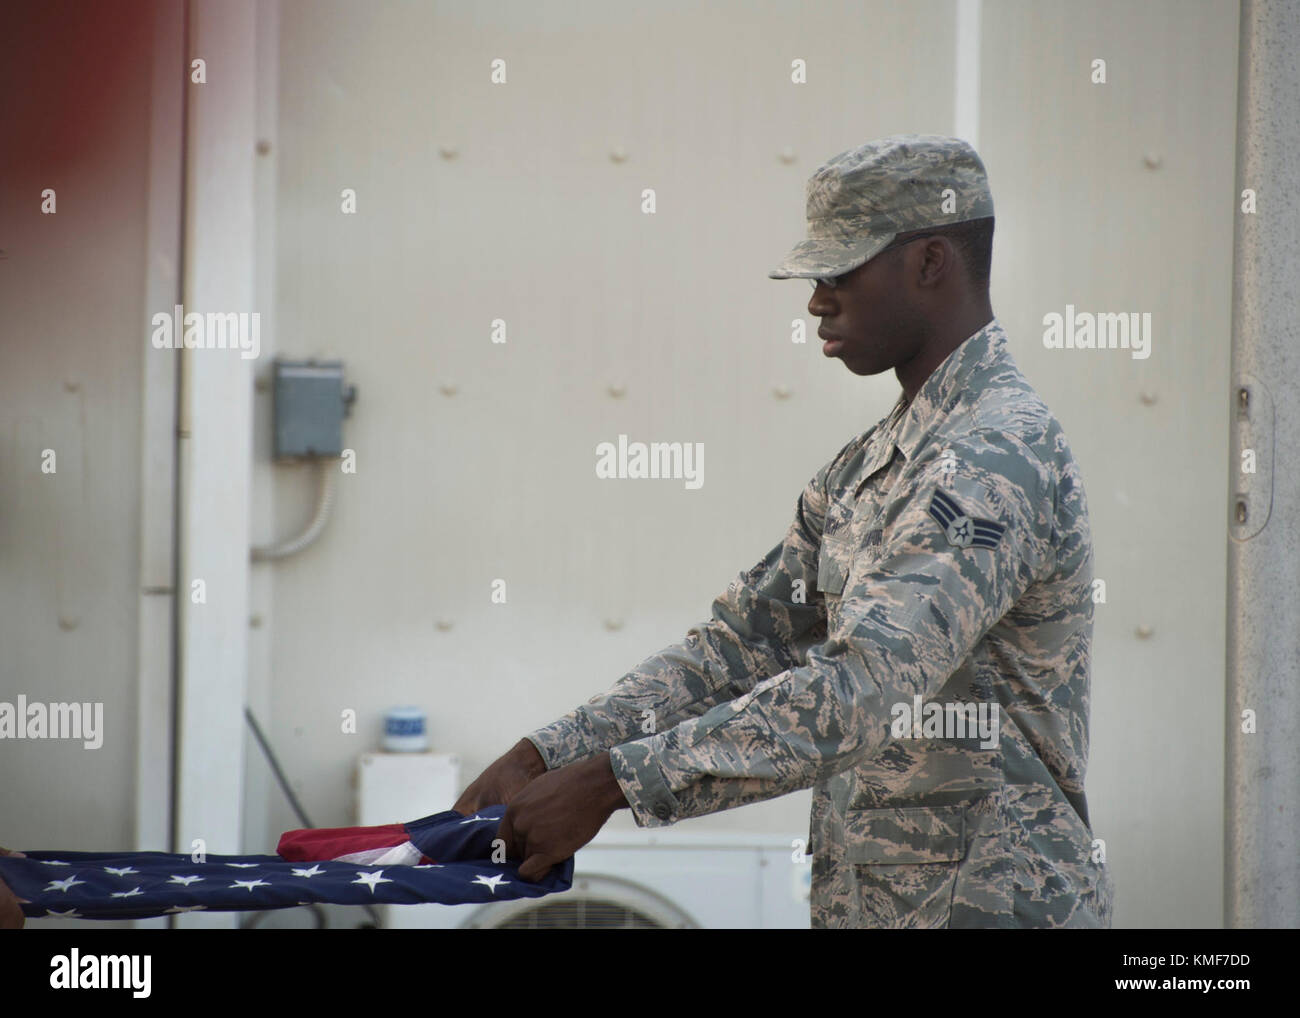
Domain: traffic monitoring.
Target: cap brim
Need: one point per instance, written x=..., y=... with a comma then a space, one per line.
x=811, y=258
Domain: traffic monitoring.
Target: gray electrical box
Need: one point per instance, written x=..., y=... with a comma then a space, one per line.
x=310, y=404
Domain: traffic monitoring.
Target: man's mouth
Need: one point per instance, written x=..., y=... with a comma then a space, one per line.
x=832, y=344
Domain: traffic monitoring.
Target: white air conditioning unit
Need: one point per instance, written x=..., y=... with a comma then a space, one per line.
x=663, y=879
x=653, y=879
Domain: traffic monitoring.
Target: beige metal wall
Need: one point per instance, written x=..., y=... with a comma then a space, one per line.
x=534, y=223
x=526, y=218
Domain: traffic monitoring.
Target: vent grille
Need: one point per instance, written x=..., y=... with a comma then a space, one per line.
x=595, y=902
x=579, y=914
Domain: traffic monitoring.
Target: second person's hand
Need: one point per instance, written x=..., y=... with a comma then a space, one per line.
x=11, y=912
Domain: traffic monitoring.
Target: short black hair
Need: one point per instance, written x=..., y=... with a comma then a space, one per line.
x=973, y=240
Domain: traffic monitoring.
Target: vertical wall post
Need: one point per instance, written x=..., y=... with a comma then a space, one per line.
x=215, y=448
x=1262, y=775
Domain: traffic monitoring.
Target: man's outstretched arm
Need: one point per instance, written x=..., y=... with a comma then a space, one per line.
x=761, y=625
x=914, y=607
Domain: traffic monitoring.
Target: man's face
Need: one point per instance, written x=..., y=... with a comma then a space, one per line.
x=870, y=319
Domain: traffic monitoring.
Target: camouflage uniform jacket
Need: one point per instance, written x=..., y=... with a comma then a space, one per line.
x=944, y=555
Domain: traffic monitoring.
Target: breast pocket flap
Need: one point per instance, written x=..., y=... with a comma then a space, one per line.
x=833, y=565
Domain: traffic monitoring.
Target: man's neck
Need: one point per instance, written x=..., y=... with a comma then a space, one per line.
x=954, y=331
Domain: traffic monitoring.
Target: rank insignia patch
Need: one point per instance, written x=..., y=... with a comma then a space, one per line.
x=961, y=530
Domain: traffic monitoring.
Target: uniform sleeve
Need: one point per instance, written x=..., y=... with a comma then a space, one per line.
x=958, y=549
x=764, y=623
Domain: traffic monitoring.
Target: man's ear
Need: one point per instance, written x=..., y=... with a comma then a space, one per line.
x=934, y=271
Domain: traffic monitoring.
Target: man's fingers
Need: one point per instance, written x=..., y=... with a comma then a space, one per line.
x=506, y=832
x=464, y=806
x=535, y=867
x=470, y=800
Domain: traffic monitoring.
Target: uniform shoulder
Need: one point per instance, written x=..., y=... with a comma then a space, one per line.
x=1010, y=407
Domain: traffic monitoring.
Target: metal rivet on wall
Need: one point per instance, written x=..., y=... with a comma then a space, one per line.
x=444, y=624
x=613, y=624
x=69, y=621
x=1144, y=632
x=616, y=389
x=448, y=151
x=618, y=154
x=1147, y=397
x=255, y=621
x=449, y=388
x=71, y=386
x=787, y=155
x=1152, y=161
x=263, y=147
x=782, y=392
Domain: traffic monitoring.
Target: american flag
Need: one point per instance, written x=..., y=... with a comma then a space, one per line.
x=444, y=858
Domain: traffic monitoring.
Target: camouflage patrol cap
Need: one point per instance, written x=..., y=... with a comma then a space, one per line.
x=860, y=200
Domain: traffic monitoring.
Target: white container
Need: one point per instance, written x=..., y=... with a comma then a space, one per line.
x=405, y=731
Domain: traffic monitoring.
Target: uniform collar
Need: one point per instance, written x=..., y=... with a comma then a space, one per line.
x=942, y=391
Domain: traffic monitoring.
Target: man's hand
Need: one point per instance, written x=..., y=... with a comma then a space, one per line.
x=11, y=914
x=503, y=779
x=558, y=813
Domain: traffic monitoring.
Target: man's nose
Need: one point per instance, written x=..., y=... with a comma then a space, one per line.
x=821, y=299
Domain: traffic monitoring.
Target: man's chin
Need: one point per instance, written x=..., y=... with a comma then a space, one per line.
x=862, y=368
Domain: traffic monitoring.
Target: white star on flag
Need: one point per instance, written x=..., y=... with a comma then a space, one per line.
x=71, y=913
x=64, y=884
x=371, y=879
x=54, y=862
x=127, y=894
x=187, y=908
x=470, y=820
x=250, y=884
x=119, y=872
x=183, y=880
x=244, y=865
x=315, y=871
x=491, y=882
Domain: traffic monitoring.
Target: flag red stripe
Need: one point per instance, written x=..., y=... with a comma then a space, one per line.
x=328, y=843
